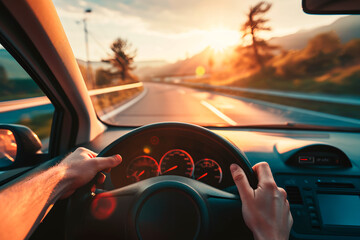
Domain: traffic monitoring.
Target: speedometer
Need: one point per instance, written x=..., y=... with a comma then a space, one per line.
x=208, y=171
x=141, y=168
x=177, y=162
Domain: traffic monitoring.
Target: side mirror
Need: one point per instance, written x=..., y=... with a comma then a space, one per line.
x=18, y=146
x=331, y=6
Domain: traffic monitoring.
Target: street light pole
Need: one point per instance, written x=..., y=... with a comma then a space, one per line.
x=88, y=73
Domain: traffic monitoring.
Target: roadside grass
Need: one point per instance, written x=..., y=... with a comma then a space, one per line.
x=19, y=89
x=40, y=124
x=107, y=102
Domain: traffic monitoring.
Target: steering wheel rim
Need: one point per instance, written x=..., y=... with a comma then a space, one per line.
x=198, y=207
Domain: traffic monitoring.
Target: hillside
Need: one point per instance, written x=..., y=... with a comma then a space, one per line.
x=209, y=59
x=347, y=28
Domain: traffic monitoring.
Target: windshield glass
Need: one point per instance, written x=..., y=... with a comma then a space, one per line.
x=216, y=63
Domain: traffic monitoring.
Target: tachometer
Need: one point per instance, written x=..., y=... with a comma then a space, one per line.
x=208, y=171
x=177, y=162
x=141, y=168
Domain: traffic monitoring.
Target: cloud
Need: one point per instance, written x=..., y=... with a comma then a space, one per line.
x=170, y=28
x=171, y=16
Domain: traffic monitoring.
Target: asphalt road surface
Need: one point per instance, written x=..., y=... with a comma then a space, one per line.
x=163, y=102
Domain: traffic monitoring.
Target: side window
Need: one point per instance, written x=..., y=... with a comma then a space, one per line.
x=22, y=101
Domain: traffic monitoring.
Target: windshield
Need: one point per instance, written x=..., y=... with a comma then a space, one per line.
x=216, y=63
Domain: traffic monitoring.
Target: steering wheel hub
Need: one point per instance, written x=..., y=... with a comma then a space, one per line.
x=168, y=214
x=169, y=210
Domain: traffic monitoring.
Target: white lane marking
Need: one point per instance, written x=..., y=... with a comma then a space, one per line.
x=218, y=113
x=295, y=109
x=181, y=91
x=125, y=106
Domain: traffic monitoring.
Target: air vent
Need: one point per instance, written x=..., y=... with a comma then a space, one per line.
x=293, y=195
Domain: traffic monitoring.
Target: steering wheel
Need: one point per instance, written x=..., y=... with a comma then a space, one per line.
x=163, y=207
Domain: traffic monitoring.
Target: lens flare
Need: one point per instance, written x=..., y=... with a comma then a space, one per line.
x=200, y=71
x=103, y=206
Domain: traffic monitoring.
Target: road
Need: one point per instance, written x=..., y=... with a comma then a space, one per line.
x=164, y=102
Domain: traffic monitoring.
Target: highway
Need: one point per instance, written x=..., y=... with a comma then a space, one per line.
x=163, y=102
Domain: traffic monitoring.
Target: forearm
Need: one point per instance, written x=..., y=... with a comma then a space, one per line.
x=25, y=203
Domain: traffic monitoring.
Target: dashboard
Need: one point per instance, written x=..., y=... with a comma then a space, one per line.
x=319, y=170
x=172, y=152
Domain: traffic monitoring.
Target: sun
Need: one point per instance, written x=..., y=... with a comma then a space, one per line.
x=220, y=38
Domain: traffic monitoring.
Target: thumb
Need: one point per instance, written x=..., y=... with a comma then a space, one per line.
x=107, y=162
x=242, y=183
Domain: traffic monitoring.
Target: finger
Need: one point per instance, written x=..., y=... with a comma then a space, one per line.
x=82, y=150
x=101, y=178
x=92, y=153
x=107, y=162
x=264, y=174
x=241, y=182
x=283, y=192
x=290, y=220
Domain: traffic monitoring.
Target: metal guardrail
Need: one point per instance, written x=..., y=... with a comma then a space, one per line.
x=13, y=105
x=313, y=97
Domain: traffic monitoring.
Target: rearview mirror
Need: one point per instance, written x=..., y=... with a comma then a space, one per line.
x=18, y=146
x=331, y=6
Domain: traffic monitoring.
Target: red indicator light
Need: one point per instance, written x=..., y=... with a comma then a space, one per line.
x=306, y=159
x=154, y=140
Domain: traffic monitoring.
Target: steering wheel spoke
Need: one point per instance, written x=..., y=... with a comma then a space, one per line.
x=225, y=215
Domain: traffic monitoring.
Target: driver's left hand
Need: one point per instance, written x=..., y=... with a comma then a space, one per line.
x=82, y=165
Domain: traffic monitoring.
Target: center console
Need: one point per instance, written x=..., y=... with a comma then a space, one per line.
x=323, y=206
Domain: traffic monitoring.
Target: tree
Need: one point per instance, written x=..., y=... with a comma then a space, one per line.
x=103, y=77
x=256, y=23
x=123, y=58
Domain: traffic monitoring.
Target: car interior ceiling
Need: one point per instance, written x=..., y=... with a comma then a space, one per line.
x=317, y=166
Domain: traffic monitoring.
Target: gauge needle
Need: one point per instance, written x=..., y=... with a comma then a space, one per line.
x=170, y=169
x=204, y=175
x=142, y=172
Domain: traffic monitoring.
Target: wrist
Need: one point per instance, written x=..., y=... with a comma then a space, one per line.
x=258, y=235
x=65, y=179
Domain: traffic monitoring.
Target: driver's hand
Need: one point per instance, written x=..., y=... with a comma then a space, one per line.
x=82, y=165
x=266, y=210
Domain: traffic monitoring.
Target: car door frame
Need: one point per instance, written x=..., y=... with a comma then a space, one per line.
x=32, y=33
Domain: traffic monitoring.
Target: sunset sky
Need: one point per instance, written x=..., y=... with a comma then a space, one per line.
x=172, y=29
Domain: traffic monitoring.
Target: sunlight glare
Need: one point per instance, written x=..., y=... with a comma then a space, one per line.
x=200, y=71
x=220, y=38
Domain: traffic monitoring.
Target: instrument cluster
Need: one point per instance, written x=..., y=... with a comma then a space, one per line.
x=174, y=162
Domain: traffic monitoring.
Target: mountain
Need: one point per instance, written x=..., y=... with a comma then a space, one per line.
x=187, y=67
x=347, y=28
x=12, y=68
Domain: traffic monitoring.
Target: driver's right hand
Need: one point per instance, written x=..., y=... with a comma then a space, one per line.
x=266, y=210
